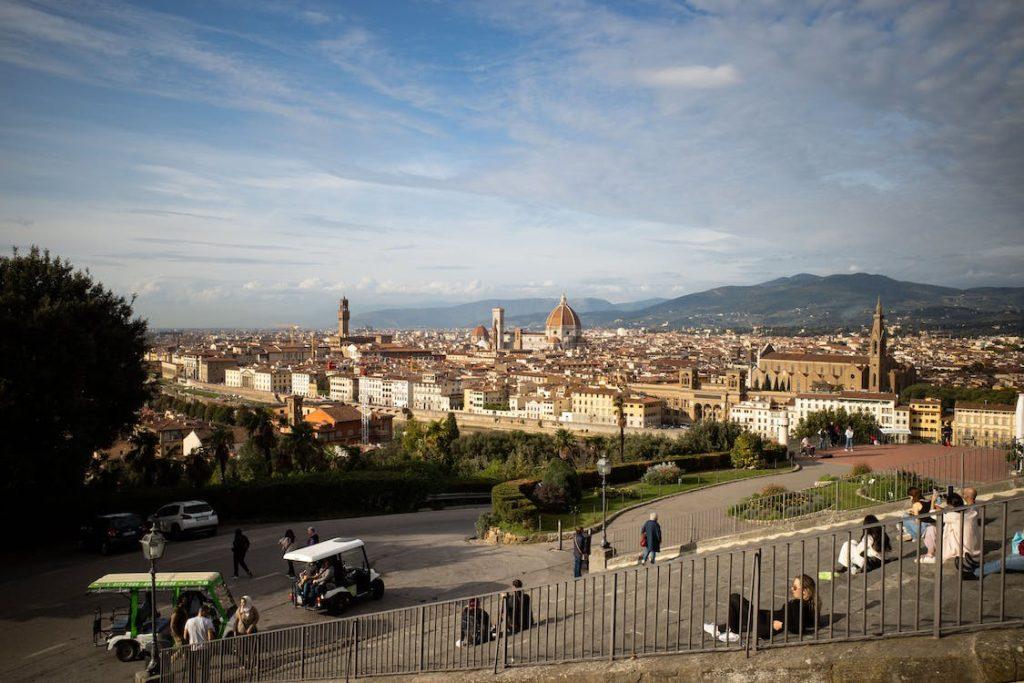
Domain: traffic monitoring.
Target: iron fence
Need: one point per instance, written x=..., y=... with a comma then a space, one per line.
x=976, y=467
x=675, y=607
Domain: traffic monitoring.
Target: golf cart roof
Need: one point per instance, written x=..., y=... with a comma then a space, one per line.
x=164, y=580
x=321, y=551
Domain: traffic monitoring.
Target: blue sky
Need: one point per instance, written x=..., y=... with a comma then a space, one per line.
x=244, y=162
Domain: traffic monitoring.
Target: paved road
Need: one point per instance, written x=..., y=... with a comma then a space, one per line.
x=46, y=617
x=624, y=529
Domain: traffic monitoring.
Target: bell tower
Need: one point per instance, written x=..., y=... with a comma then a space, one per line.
x=343, y=316
x=878, y=371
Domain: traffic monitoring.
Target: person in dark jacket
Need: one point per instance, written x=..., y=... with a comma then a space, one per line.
x=797, y=616
x=474, y=626
x=312, y=537
x=580, y=552
x=239, y=547
x=518, y=615
x=651, y=535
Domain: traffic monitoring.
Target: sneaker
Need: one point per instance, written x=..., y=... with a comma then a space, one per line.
x=711, y=630
x=458, y=643
x=926, y=559
x=840, y=569
x=235, y=576
x=729, y=637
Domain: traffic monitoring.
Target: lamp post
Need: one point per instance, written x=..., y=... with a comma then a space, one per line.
x=153, y=549
x=603, y=469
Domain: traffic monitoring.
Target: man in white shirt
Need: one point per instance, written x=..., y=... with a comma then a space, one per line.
x=199, y=629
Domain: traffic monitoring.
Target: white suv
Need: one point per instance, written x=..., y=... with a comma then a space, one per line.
x=189, y=516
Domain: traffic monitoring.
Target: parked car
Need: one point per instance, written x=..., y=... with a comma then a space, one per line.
x=108, y=533
x=185, y=517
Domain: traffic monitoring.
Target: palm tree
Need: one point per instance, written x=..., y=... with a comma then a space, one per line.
x=304, y=449
x=197, y=466
x=220, y=445
x=619, y=403
x=565, y=443
x=141, y=459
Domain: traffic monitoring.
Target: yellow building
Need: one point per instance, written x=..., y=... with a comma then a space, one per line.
x=926, y=420
x=597, y=406
x=982, y=424
x=693, y=398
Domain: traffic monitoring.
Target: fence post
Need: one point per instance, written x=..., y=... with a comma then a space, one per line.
x=937, y=594
x=355, y=646
x=615, y=611
x=302, y=653
x=962, y=482
x=835, y=506
x=423, y=639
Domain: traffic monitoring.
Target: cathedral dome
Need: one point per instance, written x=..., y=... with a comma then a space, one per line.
x=563, y=316
x=479, y=332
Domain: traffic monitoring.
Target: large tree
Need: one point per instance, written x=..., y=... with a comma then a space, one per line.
x=71, y=373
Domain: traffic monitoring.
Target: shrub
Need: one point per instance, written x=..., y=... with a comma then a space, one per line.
x=662, y=473
x=772, y=490
x=746, y=451
x=484, y=522
x=861, y=469
x=560, y=488
x=828, y=477
x=509, y=502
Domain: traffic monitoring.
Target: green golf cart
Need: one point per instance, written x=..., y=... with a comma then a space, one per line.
x=127, y=630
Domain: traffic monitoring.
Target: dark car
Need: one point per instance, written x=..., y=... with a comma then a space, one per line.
x=111, y=532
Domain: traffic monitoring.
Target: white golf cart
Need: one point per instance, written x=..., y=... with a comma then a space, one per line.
x=354, y=578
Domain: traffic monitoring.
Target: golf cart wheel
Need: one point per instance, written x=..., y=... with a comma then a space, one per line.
x=126, y=650
x=377, y=589
x=338, y=604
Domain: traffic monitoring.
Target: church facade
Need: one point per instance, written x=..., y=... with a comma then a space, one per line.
x=795, y=373
x=563, y=330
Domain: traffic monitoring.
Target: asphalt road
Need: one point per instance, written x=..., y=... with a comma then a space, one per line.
x=46, y=615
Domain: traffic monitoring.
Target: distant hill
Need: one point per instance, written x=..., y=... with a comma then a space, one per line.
x=826, y=302
x=522, y=312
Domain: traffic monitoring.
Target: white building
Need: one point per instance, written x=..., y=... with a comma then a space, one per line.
x=273, y=380
x=344, y=388
x=763, y=416
x=437, y=392
x=894, y=422
x=309, y=383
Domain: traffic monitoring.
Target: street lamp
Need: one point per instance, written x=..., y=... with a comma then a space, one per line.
x=153, y=549
x=603, y=468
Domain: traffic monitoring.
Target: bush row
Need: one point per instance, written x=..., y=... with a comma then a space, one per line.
x=310, y=496
x=511, y=502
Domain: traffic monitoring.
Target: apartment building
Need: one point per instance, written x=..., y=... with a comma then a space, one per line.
x=211, y=369
x=893, y=423
x=926, y=420
x=344, y=388
x=765, y=416
x=275, y=380
x=476, y=397
x=437, y=392
x=990, y=425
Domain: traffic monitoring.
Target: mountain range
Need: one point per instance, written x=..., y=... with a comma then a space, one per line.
x=804, y=301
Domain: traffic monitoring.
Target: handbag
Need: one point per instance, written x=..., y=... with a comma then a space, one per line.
x=643, y=539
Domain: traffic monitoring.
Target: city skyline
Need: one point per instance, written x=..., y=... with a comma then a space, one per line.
x=233, y=161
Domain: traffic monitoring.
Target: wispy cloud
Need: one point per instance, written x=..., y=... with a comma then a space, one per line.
x=696, y=77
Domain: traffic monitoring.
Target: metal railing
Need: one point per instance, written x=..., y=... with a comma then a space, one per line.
x=661, y=609
x=976, y=467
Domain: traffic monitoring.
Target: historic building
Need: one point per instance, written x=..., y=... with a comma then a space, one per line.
x=695, y=398
x=983, y=424
x=798, y=373
x=563, y=329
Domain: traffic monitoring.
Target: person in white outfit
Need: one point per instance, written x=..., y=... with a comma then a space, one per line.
x=866, y=554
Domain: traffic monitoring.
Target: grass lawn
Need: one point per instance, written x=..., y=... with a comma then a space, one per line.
x=626, y=495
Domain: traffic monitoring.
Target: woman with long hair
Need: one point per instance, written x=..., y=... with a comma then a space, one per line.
x=799, y=614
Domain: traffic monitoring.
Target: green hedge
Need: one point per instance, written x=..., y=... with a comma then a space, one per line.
x=634, y=471
x=310, y=496
x=510, y=503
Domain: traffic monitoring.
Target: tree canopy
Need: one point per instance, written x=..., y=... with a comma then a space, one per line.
x=72, y=374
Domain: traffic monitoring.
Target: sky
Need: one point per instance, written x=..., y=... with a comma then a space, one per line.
x=247, y=162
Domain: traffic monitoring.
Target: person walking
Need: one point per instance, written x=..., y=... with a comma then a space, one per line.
x=178, y=618
x=849, y=438
x=823, y=443
x=287, y=542
x=199, y=629
x=580, y=552
x=312, y=537
x=650, y=536
x=246, y=617
x=239, y=547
